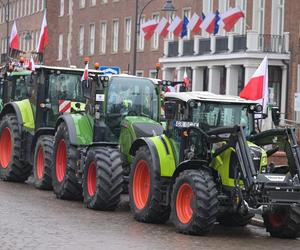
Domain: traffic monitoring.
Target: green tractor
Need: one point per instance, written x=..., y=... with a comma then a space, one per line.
x=36, y=99
x=91, y=156
x=211, y=165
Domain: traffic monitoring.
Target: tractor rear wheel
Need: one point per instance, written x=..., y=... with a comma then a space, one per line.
x=11, y=167
x=43, y=158
x=145, y=192
x=102, y=178
x=235, y=219
x=194, y=202
x=283, y=222
x=64, y=181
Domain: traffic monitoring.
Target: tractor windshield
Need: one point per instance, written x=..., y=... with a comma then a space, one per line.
x=66, y=86
x=132, y=96
x=19, y=87
x=211, y=115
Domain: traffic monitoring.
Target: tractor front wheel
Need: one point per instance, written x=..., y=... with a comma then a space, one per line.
x=102, y=178
x=11, y=167
x=194, y=202
x=43, y=158
x=283, y=222
x=145, y=192
x=64, y=181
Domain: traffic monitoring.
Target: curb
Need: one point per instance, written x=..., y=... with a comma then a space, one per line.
x=257, y=222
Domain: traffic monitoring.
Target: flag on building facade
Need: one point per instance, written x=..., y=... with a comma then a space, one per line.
x=148, y=28
x=14, y=37
x=176, y=26
x=85, y=75
x=184, y=30
x=186, y=80
x=230, y=17
x=31, y=65
x=208, y=24
x=257, y=86
x=217, y=19
x=162, y=27
x=194, y=24
x=43, y=39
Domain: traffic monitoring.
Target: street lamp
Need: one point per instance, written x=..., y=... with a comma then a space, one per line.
x=6, y=6
x=168, y=7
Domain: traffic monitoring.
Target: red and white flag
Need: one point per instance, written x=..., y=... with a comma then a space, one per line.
x=176, y=26
x=186, y=80
x=194, y=23
x=162, y=27
x=14, y=37
x=208, y=23
x=230, y=17
x=43, y=39
x=148, y=28
x=85, y=75
x=257, y=86
x=31, y=65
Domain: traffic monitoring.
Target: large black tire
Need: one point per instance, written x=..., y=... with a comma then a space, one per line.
x=146, y=202
x=235, y=219
x=64, y=181
x=43, y=162
x=11, y=167
x=283, y=222
x=194, y=202
x=102, y=178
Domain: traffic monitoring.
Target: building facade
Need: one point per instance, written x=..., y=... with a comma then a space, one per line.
x=104, y=30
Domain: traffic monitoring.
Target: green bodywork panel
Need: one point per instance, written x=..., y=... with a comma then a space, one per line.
x=222, y=164
x=27, y=114
x=21, y=73
x=166, y=159
x=128, y=135
x=84, y=128
x=78, y=106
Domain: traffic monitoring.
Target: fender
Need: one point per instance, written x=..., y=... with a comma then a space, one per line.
x=79, y=127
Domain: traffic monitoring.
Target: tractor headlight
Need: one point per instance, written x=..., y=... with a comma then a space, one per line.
x=258, y=108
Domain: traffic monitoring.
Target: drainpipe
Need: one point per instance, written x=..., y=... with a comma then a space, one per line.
x=286, y=63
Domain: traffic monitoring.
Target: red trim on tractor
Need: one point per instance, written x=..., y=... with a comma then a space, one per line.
x=5, y=147
x=40, y=163
x=61, y=160
x=91, y=179
x=183, y=203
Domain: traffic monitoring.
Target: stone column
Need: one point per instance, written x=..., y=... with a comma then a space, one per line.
x=180, y=47
x=214, y=79
x=180, y=72
x=196, y=44
x=230, y=42
x=252, y=40
x=232, y=78
x=197, y=82
x=212, y=44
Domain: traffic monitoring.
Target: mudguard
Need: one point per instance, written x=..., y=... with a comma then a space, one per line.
x=79, y=127
x=23, y=111
x=161, y=152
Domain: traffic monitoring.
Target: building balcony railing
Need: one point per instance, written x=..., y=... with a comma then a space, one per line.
x=233, y=43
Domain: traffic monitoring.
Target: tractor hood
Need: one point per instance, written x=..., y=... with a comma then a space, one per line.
x=147, y=129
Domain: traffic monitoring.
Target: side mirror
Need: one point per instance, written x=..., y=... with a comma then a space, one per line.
x=275, y=116
x=87, y=89
x=170, y=110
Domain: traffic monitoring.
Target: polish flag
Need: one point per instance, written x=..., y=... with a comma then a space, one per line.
x=43, y=39
x=148, y=28
x=85, y=75
x=194, y=24
x=31, y=65
x=230, y=17
x=208, y=23
x=14, y=37
x=162, y=27
x=176, y=26
x=186, y=80
x=257, y=86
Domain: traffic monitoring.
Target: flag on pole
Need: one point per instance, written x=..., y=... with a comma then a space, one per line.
x=186, y=80
x=184, y=30
x=194, y=24
x=14, y=37
x=208, y=24
x=176, y=26
x=148, y=28
x=217, y=19
x=43, y=39
x=31, y=65
x=85, y=75
x=257, y=86
x=162, y=27
x=230, y=17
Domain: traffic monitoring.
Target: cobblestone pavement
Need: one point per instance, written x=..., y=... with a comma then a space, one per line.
x=33, y=219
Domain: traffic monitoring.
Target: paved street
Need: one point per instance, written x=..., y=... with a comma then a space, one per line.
x=33, y=219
